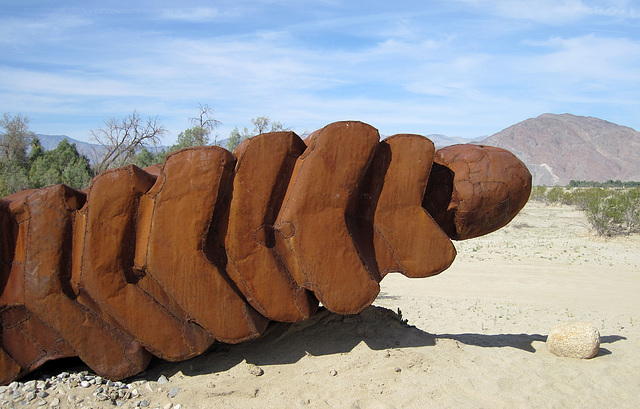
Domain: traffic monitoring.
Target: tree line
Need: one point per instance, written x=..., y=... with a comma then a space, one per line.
x=24, y=164
x=607, y=184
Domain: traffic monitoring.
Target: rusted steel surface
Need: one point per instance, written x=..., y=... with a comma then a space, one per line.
x=210, y=245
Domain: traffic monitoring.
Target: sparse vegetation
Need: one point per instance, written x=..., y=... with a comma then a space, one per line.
x=611, y=211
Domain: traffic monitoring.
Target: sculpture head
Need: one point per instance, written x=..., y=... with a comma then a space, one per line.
x=474, y=190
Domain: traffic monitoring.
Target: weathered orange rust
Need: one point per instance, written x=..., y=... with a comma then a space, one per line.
x=210, y=246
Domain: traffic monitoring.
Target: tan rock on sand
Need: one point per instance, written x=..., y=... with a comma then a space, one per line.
x=574, y=340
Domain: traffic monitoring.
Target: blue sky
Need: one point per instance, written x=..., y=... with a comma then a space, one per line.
x=457, y=67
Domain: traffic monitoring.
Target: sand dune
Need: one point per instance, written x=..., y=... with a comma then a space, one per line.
x=475, y=336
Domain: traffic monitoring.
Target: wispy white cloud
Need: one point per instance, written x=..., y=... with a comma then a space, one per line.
x=557, y=11
x=197, y=14
x=587, y=58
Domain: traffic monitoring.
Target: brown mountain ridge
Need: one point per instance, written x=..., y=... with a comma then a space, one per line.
x=561, y=148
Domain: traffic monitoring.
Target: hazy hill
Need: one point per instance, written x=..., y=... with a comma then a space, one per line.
x=50, y=142
x=558, y=148
x=441, y=141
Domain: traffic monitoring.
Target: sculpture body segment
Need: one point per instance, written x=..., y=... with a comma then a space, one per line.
x=211, y=246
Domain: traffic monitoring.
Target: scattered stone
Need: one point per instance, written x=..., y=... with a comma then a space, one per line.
x=574, y=340
x=85, y=384
x=43, y=394
x=398, y=369
x=101, y=397
x=333, y=372
x=168, y=405
x=30, y=396
x=144, y=403
x=162, y=379
x=255, y=370
x=178, y=406
x=55, y=402
x=173, y=392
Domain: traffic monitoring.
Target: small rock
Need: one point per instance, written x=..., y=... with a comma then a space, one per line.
x=30, y=396
x=173, y=392
x=255, y=370
x=124, y=394
x=574, y=340
x=178, y=406
x=3, y=389
x=144, y=403
x=101, y=397
x=43, y=394
x=333, y=372
x=168, y=405
x=398, y=369
x=55, y=402
x=162, y=379
x=85, y=384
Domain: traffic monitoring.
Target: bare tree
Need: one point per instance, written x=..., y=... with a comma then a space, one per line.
x=121, y=138
x=15, y=137
x=203, y=125
x=261, y=125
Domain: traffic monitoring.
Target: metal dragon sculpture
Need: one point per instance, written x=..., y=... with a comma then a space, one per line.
x=210, y=245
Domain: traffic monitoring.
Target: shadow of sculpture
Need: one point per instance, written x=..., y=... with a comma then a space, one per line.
x=326, y=333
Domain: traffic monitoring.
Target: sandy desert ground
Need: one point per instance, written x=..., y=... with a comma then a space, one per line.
x=475, y=336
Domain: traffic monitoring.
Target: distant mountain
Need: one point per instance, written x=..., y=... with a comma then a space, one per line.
x=559, y=148
x=93, y=151
x=50, y=142
x=440, y=141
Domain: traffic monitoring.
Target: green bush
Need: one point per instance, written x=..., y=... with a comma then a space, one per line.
x=610, y=211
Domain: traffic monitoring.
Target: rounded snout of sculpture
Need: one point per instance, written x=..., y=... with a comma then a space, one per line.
x=474, y=190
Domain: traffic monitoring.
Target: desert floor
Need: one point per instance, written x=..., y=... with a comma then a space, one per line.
x=474, y=338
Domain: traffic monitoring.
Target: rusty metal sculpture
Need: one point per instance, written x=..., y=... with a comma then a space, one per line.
x=211, y=246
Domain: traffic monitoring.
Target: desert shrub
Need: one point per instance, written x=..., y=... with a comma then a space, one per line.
x=538, y=194
x=610, y=212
